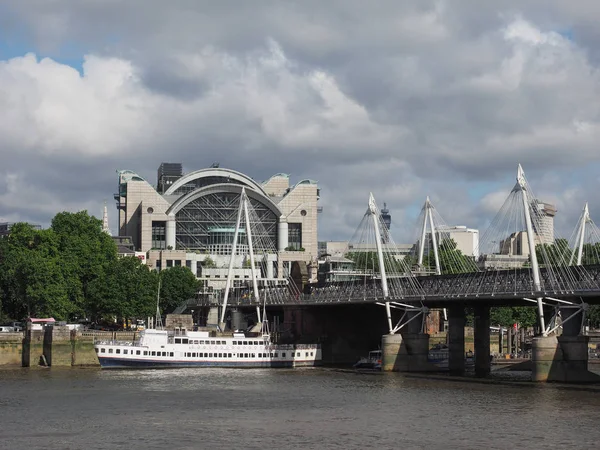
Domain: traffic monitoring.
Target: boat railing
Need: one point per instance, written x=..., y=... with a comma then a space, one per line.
x=116, y=342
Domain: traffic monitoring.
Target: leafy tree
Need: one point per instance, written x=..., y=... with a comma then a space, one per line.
x=209, y=263
x=451, y=259
x=85, y=251
x=127, y=288
x=178, y=284
x=526, y=316
x=593, y=316
x=556, y=254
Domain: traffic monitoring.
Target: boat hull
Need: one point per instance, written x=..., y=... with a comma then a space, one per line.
x=122, y=363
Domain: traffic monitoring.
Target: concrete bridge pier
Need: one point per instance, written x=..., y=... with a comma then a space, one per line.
x=456, y=340
x=483, y=363
x=407, y=351
x=564, y=358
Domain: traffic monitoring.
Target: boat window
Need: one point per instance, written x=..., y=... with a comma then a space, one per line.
x=298, y=354
x=220, y=355
x=184, y=341
x=145, y=352
x=210, y=355
x=178, y=340
x=110, y=350
x=229, y=355
x=245, y=355
x=276, y=355
x=125, y=352
x=153, y=354
x=271, y=355
x=96, y=350
x=137, y=352
x=170, y=354
x=260, y=355
x=234, y=343
x=253, y=355
x=306, y=354
x=102, y=350
x=311, y=353
x=164, y=353
x=282, y=354
x=255, y=342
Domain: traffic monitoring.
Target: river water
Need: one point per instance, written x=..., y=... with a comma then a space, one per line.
x=286, y=409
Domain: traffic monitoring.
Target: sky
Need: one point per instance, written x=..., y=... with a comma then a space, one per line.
x=403, y=99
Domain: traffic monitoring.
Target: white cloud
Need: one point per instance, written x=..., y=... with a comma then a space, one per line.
x=402, y=100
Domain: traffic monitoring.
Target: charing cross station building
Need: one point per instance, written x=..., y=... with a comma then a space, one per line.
x=189, y=219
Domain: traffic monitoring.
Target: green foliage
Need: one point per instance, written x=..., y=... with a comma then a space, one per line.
x=71, y=271
x=557, y=254
x=209, y=263
x=526, y=316
x=593, y=316
x=125, y=289
x=369, y=262
x=451, y=259
x=178, y=284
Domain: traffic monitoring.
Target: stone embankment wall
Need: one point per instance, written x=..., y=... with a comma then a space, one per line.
x=11, y=348
x=55, y=346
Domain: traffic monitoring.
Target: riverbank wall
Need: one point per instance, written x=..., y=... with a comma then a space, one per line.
x=55, y=346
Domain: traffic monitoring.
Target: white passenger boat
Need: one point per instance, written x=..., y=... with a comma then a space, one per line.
x=371, y=362
x=181, y=348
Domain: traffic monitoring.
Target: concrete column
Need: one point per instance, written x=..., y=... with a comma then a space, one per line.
x=456, y=340
x=482, y=341
x=282, y=235
x=270, y=272
x=406, y=353
x=194, y=267
x=414, y=326
x=170, y=232
x=501, y=341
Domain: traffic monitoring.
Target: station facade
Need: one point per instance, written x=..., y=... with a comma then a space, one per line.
x=186, y=218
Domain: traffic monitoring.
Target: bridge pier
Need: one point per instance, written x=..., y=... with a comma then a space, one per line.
x=456, y=340
x=563, y=359
x=406, y=353
x=483, y=363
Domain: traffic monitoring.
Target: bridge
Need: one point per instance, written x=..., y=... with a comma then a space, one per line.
x=518, y=262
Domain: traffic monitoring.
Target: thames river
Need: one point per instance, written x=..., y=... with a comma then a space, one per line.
x=286, y=409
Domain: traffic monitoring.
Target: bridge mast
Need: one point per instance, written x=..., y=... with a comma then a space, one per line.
x=522, y=184
x=251, y=251
x=585, y=218
x=233, y=253
x=384, y=286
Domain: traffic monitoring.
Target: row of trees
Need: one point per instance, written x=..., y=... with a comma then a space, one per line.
x=71, y=272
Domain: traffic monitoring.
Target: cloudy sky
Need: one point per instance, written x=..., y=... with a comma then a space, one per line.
x=404, y=99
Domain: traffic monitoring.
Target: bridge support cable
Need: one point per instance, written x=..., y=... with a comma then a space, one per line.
x=231, y=262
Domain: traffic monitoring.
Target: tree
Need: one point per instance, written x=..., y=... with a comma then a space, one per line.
x=526, y=316
x=85, y=251
x=209, y=263
x=556, y=254
x=178, y=284
x=125, y=289
x=451, y=259
x=32, y=281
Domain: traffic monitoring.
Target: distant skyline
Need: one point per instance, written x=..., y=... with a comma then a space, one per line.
x=403, y=99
